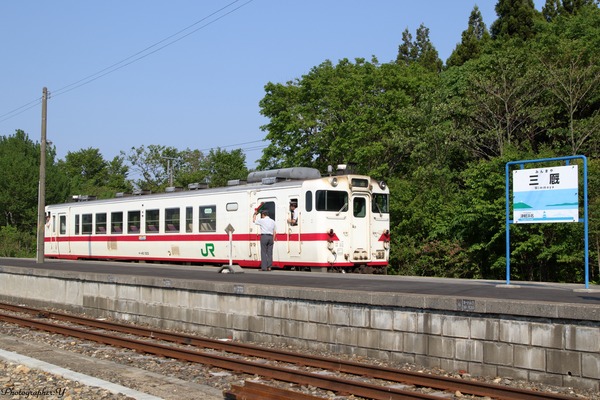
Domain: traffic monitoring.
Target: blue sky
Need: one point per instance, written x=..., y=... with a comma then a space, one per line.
x=202, y=91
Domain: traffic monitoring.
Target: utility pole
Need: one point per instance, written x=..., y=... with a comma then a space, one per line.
x=170, y=168
x=42, y=184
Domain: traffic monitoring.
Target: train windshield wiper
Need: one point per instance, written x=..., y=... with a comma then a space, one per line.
x=379, y=209
x=345, y=206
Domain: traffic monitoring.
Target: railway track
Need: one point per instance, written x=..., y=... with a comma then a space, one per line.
x=388, y=389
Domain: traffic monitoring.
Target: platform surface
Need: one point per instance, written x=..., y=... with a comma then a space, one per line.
x=542, y=292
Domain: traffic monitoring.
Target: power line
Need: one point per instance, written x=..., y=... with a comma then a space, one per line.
x=245, y=150
x=64, y=88
x=231, y=145
x=143, y=53
x=20, y=110
x=129, y=60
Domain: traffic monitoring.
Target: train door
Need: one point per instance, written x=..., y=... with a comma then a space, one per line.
x=56, y=228
x=50, y=234
x=293, y=227
x=360, y=231
x=63, y=245
x=259, y=204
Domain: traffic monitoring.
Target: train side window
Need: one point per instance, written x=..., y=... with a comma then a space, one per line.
x=77, y=224
x=152, y=221
x=172, y=220
x=101, y=223
x=208, y=218
x=62, y=224
x=189, y=219
x=332, y=200
x=133, y=221
x=86, y=224
x=116, y=220
x=308, y=201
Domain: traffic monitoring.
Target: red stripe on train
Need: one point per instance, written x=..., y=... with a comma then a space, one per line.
x=215, y=237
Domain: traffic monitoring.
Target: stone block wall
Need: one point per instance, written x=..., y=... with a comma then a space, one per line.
x=556, y=351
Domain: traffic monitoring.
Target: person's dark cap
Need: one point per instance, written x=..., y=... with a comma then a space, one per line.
x=293, y=203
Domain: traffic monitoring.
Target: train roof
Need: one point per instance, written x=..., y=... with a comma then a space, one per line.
x=276, y=178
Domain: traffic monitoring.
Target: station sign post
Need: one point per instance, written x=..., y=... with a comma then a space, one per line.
x=546, y=195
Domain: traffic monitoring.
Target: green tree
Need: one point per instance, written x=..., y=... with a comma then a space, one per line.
x=359, y=112
x=86, y=168
x=423, y=207
x=568, y=49
x=154, y=166
x=226, y=165
x=473, y=39
x=500, y=101
x=427, y=55
x=553, y=8
x=16, y=243
x=516, y=19
x=90, y=174
x=192, y=168
x=19, y=181
x=117, y=175
x=421, y=51
x=161, y=166
x=407, y=51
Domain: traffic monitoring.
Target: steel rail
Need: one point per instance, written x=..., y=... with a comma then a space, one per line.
x=357, y=388
x=257, y=391
x=349, y=367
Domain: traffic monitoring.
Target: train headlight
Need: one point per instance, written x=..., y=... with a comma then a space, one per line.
x=382, y=185
x=330, y=235
x=333, y=181
x=386, y=239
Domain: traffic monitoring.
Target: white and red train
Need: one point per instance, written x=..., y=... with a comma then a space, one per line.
x=343, y=224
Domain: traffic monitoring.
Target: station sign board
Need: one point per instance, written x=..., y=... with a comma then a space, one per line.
x=546, y=194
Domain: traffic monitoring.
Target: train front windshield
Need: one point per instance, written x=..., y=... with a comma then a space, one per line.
x=381, y=203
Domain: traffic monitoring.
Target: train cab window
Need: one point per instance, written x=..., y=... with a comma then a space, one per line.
x=332, y=200
x=101, y=223
x=359, y=207
x=208, y=218
x=189, y=219
x=152, y=221
x=77, y=224
x=116, y=221
x=172, y=220
x=86, y=224
x=62, y=223
x=308, y=201
x=381, y=203
x=133, y=221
